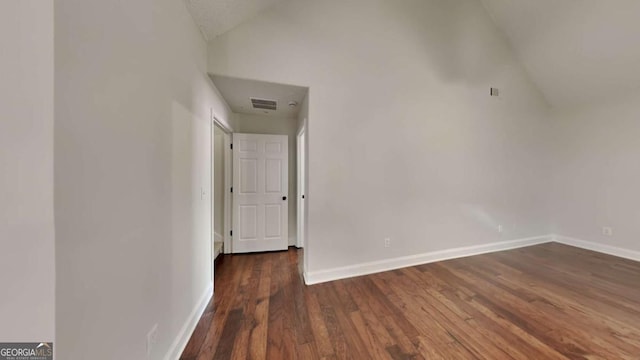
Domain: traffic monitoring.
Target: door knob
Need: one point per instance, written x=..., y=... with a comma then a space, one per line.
x=284, y=198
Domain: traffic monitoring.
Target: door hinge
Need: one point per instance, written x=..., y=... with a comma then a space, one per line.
x=231, y=233
x=232, y=189
x=231, y=146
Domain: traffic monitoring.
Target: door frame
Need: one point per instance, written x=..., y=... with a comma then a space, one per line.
x=302, y=217
x=228, y=181
x=301, y=182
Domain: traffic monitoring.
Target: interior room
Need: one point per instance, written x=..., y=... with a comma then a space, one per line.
x=299, y=179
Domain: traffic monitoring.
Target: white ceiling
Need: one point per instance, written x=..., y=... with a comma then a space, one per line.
x=576, y=51
x=215, y=17
x=237, y=93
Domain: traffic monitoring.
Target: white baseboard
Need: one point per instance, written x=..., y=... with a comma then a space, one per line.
x=217, y=237
x=605, y=249
x=189, y=326
x=373, y=267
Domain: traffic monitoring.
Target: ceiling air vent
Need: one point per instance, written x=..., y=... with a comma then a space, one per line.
x=264, y=104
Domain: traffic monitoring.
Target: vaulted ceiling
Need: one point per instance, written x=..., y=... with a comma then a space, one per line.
x=215, y=17
x=575, y=51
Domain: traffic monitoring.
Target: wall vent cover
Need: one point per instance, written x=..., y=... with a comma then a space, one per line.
x=264, y=104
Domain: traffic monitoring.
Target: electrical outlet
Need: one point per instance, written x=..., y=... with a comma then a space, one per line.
x=152, y=337
x=387, y=242
x=500, y=228
x=607, y=231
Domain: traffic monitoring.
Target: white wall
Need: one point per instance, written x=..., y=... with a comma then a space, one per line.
x=218, y=176
x=256, y=124
x=597, y=172
x=404, y=140
x=132, y=152
x=27, y=267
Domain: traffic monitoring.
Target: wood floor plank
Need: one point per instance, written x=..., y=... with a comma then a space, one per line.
x=229, y=332
x=334, y=330
x=249, y=319
x=318, y=326
x=276, y=340
x=258, y=336
x=225, y=289
x=549, y=301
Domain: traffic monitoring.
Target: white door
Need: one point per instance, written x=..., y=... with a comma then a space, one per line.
x=260, y=190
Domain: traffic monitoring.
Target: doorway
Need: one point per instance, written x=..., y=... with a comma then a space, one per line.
x=221, y=184
x=265, y=108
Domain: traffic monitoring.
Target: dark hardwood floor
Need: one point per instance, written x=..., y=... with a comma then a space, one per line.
x=549, y=301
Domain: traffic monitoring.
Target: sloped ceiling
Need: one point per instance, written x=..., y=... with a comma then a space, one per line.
x=237, y=93
x=576, y=51
x=215, y=17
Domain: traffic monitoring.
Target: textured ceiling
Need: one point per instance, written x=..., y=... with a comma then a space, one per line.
x=576, y=51
x=215, y=17
x=237, y=93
